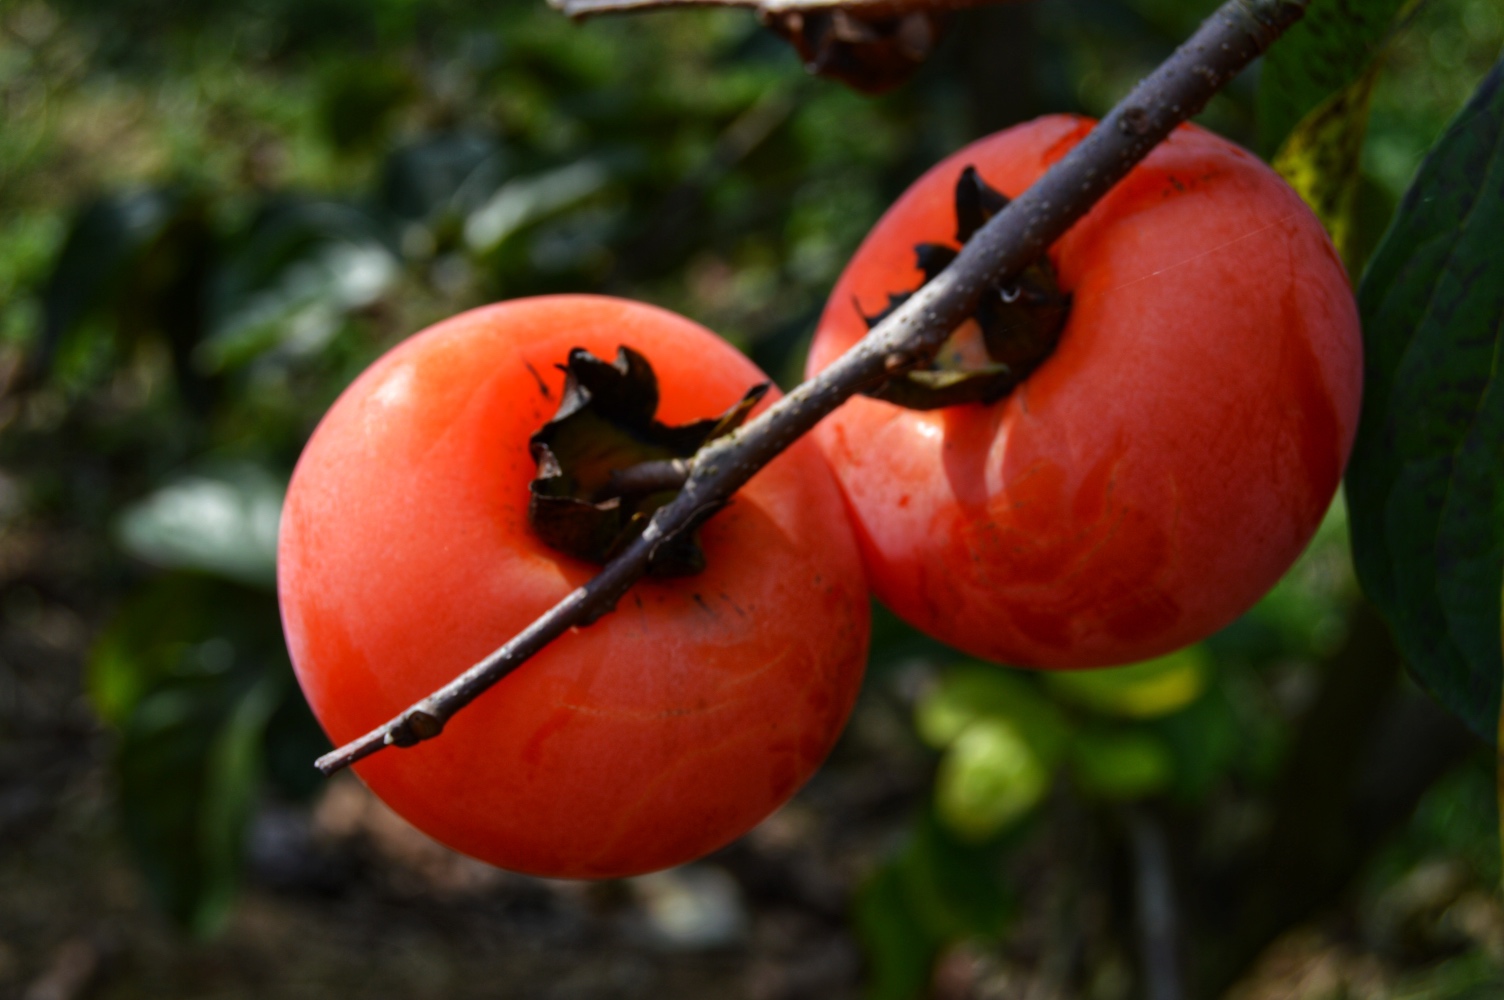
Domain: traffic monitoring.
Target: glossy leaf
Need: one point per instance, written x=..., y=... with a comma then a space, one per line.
x=1426, y=483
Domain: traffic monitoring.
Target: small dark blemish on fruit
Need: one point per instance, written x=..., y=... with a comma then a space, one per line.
x=542, y=385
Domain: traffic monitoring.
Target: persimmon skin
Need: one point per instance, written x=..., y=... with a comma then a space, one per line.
x=661, y=732
x=1163, y=468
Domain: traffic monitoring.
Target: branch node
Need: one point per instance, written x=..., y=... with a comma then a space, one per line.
x=415, y=726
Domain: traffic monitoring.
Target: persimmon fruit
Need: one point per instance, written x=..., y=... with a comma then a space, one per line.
x=653, y=736
x=1156, y=473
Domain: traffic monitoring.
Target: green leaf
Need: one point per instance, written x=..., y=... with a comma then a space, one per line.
x=972, y=692
x=222, y=521
x=287, y=288
x=178, y=622
x=1204, y=741
x=1321, y=159
x=1145, y=690
x=143, y=256
x=525, y=200
x=1121, y=765
x=937, y=891
x=1323, y=54
x=956, y=888
x=1425, y=485
x=989, y=778
x=442, y=178
x=190, y=765
x=193, y=672
x=900, y=951
x=106, y=238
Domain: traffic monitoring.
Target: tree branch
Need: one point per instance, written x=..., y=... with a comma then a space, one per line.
x=1229, y=40
x=581, y=9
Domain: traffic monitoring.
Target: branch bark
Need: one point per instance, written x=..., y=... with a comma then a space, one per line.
x=1230, y=39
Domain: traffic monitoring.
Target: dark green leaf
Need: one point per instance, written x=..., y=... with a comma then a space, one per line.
x=937, y=892
x=190, y=765
x=1324, y=53
x=900, y=952
x=146, y=255
x=955, y=887
x=179, y=622
x=445, y=176
x=292, y=281
x=104, y=241
x=1426, y=482
x=1121, y=764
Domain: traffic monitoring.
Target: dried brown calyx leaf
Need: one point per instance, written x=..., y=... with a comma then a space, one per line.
x=870, y=51
x=605, y=464
x=1014, y=328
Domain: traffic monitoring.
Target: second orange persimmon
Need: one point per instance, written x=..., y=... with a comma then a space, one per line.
x=1163, y=467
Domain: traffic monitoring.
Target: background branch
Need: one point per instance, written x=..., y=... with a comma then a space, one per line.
x=1155, y=907
x=1228, y=41
x=580, y=9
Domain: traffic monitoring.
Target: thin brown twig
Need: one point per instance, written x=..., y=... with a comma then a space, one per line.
x=1229, y=40
x=581, y=9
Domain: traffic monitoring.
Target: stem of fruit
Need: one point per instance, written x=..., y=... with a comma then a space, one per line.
x=1238, y=32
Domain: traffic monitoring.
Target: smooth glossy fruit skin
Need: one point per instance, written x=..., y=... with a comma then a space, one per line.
x=654, y=736
x=1162, y=469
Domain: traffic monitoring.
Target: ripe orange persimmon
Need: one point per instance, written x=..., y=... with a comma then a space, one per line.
x=1158, y=472
x=653, y=736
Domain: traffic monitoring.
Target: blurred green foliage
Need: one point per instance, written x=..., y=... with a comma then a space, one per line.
x=214, y=214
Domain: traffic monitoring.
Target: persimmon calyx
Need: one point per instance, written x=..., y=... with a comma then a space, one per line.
x=605, y=464
x=868, y=51
x=1013, y=329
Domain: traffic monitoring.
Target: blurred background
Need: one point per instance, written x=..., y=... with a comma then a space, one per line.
x=214, y=214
